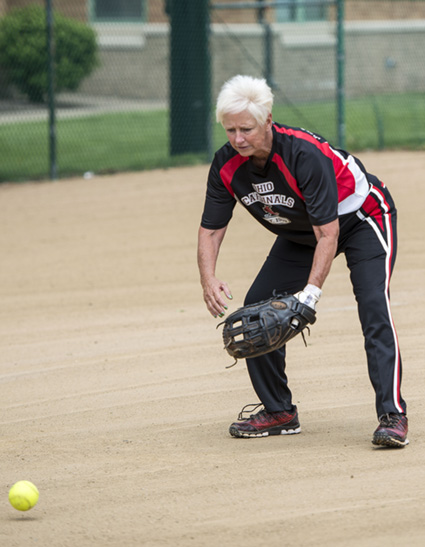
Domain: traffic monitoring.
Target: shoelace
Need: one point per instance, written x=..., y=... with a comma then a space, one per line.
x=389, y=420
x=249, y=409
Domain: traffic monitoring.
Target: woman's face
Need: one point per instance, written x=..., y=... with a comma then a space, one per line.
x=246, y=136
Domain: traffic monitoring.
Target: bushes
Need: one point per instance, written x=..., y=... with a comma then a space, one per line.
x=23, y=51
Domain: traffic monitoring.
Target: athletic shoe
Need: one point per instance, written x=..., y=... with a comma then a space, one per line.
x=392, y=431
x=265, y=423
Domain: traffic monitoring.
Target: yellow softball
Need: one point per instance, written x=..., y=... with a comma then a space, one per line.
x=23, y=495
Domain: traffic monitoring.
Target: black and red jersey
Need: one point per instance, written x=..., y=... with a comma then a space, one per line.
x=304, y=182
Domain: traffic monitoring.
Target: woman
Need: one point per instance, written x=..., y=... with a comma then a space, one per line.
x=319, y=202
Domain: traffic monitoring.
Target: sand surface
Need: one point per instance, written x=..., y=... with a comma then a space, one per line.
x=114, y=396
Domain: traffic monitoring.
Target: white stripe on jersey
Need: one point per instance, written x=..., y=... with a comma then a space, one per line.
x=354, y=201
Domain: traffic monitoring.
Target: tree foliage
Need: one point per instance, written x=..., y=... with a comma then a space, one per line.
x=24, y=55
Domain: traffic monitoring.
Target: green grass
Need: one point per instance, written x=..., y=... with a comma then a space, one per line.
x=101, y=144
x=139, y=140
x=373, y=122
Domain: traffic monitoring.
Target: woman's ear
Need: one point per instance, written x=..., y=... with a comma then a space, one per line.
x=269, y=120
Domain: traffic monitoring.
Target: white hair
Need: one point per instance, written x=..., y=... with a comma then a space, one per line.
x=242, y=93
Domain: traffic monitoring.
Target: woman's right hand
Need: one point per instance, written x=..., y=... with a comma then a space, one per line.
x=214, y=289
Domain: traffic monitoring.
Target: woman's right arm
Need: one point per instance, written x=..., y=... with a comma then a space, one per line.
x=209, y=242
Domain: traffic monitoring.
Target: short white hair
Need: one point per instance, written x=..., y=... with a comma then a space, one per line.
x=242, y=93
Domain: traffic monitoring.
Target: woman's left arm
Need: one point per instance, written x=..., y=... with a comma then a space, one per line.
x=327, y=243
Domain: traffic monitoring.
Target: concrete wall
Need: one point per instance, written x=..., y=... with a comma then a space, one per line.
x=381, y=57
x=385, y=57
x=133, y=62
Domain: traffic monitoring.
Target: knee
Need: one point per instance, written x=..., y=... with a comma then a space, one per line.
x=372, y=299
x=373, y=309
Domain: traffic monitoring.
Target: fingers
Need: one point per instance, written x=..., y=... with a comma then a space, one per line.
x=216, y=305
x=227, y=291
x=213, y=296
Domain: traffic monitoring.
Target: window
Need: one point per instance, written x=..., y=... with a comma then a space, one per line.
x=298, y=12
x=118, y=10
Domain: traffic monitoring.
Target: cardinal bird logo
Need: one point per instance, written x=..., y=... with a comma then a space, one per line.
x=273, y=217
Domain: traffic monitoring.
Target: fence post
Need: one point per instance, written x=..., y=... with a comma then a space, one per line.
x=268, y=45
x=340, y=74
x=51, y=91
x=190, y=101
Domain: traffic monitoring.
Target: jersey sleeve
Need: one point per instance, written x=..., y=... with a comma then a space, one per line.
x=219, y=202
x=316, y=178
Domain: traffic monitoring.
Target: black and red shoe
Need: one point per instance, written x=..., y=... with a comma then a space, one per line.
x=264, y=423
x=392, y=431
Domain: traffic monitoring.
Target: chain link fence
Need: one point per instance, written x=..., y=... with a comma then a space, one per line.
x=296, y=46
x=148, y=100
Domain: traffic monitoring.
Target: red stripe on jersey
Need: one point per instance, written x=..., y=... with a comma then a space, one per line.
x=346, y=181
x=289, y=178
x=228, y=170
x=372, y=209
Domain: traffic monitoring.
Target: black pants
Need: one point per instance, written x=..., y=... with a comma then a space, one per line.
x=368, y=240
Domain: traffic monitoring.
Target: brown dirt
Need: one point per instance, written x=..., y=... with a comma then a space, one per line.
x=115, y=400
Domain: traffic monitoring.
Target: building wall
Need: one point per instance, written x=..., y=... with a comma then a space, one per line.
x=133, y=68
x=380, y=57
x=383, y=10
x=77, y=8
x=355, y=10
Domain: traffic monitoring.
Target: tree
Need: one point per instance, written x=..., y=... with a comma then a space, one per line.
x=23, y=51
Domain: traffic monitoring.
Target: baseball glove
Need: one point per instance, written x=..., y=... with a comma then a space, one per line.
x=259, y=328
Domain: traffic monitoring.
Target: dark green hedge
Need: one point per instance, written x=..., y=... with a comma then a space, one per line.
x=23, y=51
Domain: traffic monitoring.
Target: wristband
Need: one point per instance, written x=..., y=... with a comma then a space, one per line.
x=310, y=295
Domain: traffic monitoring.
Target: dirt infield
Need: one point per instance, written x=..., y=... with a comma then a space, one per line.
x=115, y=400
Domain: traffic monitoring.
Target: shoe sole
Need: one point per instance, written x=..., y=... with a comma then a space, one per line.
x=234, y=432
x=391, y=442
